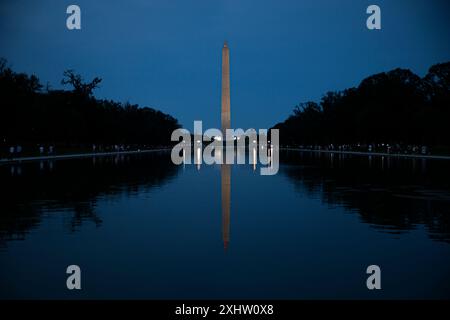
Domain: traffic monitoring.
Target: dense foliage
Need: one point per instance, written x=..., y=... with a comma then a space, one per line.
x=396, y=107
x=31, y=115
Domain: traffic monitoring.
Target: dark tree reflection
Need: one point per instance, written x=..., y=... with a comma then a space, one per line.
x=30, y=190
x=392, y=194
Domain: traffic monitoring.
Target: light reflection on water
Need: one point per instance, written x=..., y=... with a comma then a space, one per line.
x=140, y=227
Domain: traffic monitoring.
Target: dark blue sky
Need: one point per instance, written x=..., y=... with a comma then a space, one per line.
x=167, y=54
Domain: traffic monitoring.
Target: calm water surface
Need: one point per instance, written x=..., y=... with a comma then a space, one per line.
x=141, y=227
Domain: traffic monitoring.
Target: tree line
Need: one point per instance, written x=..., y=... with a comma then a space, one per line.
x=396, y=107
x=32, y=115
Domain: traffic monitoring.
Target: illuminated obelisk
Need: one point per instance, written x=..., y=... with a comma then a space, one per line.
x=226, y=124
x=226, y=121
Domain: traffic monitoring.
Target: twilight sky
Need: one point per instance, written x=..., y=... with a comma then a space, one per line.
x=167, y=53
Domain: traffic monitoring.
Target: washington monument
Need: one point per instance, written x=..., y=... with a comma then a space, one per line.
x=226, y=122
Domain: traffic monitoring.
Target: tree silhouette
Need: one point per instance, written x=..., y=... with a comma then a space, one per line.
x=76, y=81
x=395, y=107
x=72, y=119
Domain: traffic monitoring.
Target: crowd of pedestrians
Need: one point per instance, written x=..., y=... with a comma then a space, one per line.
x=375, y=148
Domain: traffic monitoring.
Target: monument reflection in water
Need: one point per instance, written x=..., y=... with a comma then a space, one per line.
x=141, y=227
x=225, y=186
x=225, y=178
